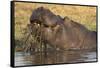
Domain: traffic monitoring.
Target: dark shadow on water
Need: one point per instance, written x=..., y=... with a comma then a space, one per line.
x=53, y=57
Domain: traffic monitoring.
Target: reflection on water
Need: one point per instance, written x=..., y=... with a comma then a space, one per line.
x=53, y=57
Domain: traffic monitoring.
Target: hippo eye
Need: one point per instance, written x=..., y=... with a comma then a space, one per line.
x=45, y=25
x=53, y=26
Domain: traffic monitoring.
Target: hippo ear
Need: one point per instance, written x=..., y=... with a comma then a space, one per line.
x=67, y=21
x=59, y=16
x=66, y=18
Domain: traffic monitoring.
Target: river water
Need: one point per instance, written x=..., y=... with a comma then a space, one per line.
x=24, y=59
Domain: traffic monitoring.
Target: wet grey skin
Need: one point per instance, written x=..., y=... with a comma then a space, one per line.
x=61, y=33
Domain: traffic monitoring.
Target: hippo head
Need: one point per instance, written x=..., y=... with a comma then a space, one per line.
x=45, y=22
x=43, y=16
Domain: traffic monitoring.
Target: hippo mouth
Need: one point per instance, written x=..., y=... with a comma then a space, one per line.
x=35, y=21
x=36, y=29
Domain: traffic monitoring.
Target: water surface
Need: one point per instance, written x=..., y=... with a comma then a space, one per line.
x=53, y=57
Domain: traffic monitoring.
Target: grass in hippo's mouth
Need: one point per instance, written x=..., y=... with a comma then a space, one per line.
x=34, y=41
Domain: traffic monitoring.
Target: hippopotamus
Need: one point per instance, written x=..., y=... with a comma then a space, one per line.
x=62, y=33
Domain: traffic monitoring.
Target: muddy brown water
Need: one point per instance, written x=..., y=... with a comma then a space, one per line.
x=24, y=59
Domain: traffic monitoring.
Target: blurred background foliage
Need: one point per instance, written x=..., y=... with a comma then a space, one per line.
x=85, y=15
